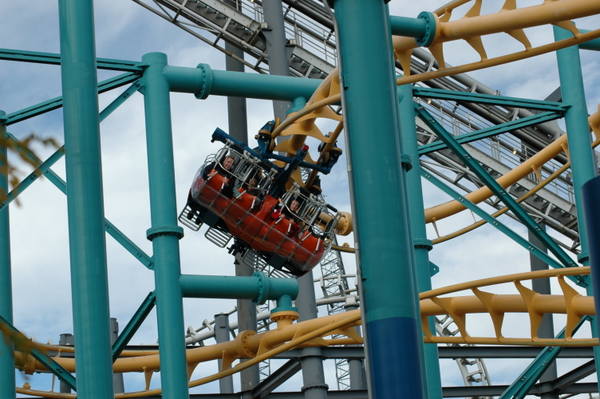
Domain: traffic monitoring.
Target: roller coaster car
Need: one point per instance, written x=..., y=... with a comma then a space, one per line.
x=232, y=193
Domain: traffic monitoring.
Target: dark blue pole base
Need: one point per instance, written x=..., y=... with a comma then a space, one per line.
x=394, y=344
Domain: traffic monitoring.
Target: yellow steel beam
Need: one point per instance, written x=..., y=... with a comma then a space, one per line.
x=258, y=347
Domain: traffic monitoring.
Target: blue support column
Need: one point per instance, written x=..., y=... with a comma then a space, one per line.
x=7, y=362
x=89, y=285
x=408, y=140
x=384, y=249
x=581, y=155
x=164, y=233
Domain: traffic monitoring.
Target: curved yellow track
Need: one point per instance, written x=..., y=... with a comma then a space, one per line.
x=259, y=347
x=509, y=19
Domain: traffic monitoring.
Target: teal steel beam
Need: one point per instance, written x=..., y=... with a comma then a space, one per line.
x=493, y=185
x=493, y=130
x=43, y=168
x=7, y=361
x=500, y=226
x=513, y=102
x=527, y=379
x=12, y=333
x=579, y=138
x=590, y=45
x=47, y=164
x=408, y=139
x=581, y=153
x=164, y=232
x=57, y=102
x=110, y=228
x=54, y=59
x=87, y=243
x=257, y=287
x=133, y=325
x=121, y=98
x=203, y=81
x=379, y=194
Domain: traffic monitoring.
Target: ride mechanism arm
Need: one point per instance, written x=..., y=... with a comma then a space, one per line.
x=295, y=160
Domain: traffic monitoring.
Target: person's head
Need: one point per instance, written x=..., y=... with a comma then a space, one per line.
x=294, y=205
x=228, y=162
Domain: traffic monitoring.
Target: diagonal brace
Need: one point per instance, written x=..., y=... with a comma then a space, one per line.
x=538, y=253
x=494, y=130
x=521, y=386
x=281, y=375
x=134, y=324
x=57, y=102
x=40, y=356
x=54, y=59
x=513, y=102
x=47, y=164
x=496, y=188
x=110, y=228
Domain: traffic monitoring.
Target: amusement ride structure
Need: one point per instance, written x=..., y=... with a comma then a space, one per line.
x=405, y=115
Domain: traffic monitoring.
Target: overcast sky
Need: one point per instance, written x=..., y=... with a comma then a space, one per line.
x=124, y=30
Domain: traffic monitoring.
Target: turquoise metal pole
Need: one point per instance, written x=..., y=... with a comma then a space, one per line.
x=583, y=167
x=203, y=80
x=87, y=244
x=380, y=204
x=578, y=131
x=7, y=361
x=257, y=287
x=422, y=245
x=164, y=233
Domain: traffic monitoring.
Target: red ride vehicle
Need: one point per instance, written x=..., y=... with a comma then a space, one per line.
x=231, y=193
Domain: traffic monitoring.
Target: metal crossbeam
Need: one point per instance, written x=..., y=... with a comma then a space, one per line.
x=513, y=102
x=57, y=102
x=281, y=375
x=40, y=356
x=54, y=59
x=110, y=228
x=45, y=166
x=493, y=221
x=481, y=173
x=132, y=326
x=33, y=176
x=562, y=383
x=494, y=130
x=521, y=386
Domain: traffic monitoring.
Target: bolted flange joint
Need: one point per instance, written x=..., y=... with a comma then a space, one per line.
x=263, y=286
x=284, y=318
x=430, y=28
x=154, y=232
x=206, y=81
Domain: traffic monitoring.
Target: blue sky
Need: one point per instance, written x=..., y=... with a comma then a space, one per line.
x=125, y=30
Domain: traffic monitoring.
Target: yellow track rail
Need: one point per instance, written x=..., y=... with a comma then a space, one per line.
x=289, y=335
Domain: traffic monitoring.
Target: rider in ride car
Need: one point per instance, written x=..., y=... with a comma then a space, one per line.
x=225, y=169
